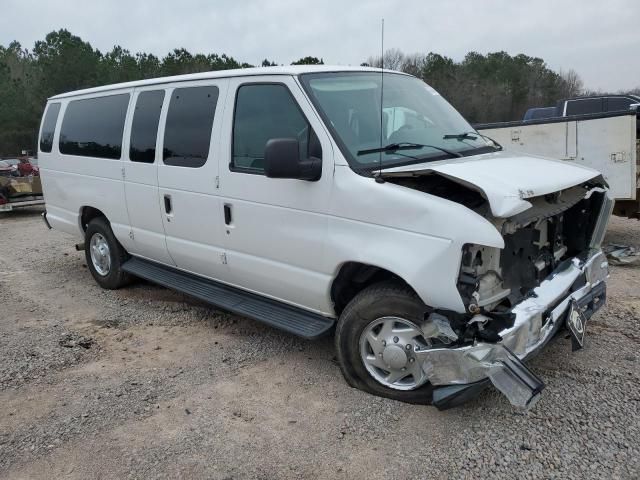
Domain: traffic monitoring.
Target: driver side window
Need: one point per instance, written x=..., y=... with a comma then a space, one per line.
x=263, y=112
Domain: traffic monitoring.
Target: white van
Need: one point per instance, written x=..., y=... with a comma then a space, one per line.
x=306, y=198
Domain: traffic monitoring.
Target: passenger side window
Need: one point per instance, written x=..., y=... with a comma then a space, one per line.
x=49, y=127
x=263, y=112
x=187, y=133
x=93, y=127
x=144, y=129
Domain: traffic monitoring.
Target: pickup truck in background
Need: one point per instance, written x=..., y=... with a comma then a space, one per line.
x=605, y=141
x=589, y=105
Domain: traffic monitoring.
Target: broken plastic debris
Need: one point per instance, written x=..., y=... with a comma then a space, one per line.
x=438, y=326
x=481, y=320
x=621, y=254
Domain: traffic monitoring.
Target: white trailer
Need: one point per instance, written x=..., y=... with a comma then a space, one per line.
x=606, y=142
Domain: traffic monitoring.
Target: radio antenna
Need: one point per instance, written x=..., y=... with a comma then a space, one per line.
x=381, y=98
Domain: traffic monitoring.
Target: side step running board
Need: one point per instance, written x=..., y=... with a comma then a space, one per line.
x=275, y=314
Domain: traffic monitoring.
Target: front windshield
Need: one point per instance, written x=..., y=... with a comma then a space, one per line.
x=412, y=112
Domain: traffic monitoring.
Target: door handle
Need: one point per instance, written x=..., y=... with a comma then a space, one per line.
x=167, y=204
x=227, y=214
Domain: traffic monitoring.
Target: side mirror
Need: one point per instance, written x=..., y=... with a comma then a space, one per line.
x=282, y=160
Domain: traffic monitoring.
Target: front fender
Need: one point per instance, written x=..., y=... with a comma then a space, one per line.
x=411, y=233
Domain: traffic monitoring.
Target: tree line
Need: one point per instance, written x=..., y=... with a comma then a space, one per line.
x=495, y=87
x=484, y=88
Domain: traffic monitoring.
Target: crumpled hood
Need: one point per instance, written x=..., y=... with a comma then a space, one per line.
x=505, y=180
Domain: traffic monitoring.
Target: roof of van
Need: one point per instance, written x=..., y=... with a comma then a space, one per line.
x=238, y=72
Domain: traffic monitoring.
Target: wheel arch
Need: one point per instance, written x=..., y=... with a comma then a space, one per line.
x=88, y=213
x=352, y=277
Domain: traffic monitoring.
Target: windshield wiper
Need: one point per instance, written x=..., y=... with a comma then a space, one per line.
x=393, y=147
x=472, y=136
x=461, y=136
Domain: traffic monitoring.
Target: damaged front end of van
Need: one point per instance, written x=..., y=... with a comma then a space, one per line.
x=549, y=274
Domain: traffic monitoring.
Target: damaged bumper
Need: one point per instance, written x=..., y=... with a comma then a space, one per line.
x=461, y=373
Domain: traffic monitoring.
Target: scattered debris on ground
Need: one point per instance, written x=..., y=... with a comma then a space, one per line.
x=621, y=254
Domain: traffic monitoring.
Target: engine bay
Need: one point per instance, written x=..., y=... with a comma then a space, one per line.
x=558, y=227
x=538, y=241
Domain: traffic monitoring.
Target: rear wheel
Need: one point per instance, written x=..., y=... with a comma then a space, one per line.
x=104, y=254
x=376, y=339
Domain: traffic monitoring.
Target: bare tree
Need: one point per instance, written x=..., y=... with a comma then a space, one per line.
x=573, y=85
x=393, y=60
x=413, y=64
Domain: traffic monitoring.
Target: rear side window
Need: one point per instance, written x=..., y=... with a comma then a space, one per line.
x=263, y=112
x=618, y=103
x=187, y=133
x=144, y=129
x=93, y=127
x=584, y=107
x=49, y=127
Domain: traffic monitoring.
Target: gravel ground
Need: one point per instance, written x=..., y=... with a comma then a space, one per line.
x=147, y=383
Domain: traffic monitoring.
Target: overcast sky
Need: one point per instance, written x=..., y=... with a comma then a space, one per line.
x=599, y=39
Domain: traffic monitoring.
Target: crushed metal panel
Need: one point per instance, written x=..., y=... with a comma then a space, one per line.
x=506, y=180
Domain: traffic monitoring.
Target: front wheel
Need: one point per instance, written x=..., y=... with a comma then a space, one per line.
x=376, y=339
x=104, y=254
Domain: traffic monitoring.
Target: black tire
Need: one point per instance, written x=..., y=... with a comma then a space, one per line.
x=116, y=277
x=378, y=300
